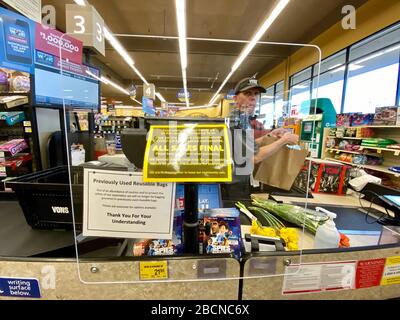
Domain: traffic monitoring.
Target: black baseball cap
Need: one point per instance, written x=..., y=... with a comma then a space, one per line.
x=248, y=83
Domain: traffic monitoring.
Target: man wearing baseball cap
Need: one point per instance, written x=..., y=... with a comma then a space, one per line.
x=247, y=92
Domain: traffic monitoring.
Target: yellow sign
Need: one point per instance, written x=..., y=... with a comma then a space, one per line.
x=391, y=274
x=153, y=270
x=188, y=153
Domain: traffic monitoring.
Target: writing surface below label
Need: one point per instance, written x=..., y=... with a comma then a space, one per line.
x=154, y=270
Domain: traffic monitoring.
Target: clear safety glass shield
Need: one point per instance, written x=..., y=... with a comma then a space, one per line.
x=172, y=189
x=197, y=174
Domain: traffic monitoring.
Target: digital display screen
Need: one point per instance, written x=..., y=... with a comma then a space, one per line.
x=70, y=84
x=394, y=199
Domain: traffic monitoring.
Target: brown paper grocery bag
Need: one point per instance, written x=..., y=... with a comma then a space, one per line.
x=281, y=169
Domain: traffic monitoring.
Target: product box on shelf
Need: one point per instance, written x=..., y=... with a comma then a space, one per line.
x=359, y=119
x=219, y=232
x=14, y=166
x=343, y=120
x=387, y=116
x=324, y=178
x=12, y=147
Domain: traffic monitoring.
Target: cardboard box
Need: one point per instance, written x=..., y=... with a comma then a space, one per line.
x=387, y=116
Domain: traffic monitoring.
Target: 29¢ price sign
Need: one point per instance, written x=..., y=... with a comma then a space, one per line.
x=153, y=270
x=86, y=24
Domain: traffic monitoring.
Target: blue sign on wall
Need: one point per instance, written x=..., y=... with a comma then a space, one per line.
x=17, y=38
x=230, y=95
x=23, y=288
x=181, y=95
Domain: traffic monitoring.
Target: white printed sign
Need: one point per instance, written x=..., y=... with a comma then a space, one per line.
x=31, y=9
x=119, y=204
x=318, y=277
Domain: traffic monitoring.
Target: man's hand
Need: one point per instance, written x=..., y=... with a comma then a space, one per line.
x=290, y=138
x=278, y=133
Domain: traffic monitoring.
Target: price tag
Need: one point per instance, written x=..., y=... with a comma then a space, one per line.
x=397, y=153
x=27, y=124
x=28, y=129
x=1, y=154
x=153, y=270
x=379, y=151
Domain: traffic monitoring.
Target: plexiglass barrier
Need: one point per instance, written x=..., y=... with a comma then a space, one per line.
x=171, y=185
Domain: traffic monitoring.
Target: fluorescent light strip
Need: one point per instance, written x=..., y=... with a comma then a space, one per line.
x=265, y=26
x=137, y=101
x=118, y=47
x=159, y=96
x=125, y=55
x=139, y=74
x=80, y=2
x=181, y=22
x=260, y=32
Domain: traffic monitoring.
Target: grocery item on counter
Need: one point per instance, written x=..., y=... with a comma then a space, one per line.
x=327, y=235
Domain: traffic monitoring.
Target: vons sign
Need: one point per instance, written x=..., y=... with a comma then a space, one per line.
x=60, y=210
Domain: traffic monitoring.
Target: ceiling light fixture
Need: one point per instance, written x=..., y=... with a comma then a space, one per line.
x=125, y=55
x=181, y=22
x=260, y=32
x=159, y=96
x=118, y=47
x=137, y=101
x=80, y=2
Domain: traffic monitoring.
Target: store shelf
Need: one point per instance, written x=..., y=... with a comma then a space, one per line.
x=345, y=151
x=397, y=126
x=4, y=94
x=349, y=138
x=396, y=152
x=366, y=166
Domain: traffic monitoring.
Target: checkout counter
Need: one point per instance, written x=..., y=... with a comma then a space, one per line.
x=105, y=271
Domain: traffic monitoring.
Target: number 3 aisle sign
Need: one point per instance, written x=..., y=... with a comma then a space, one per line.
x=86, y=24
